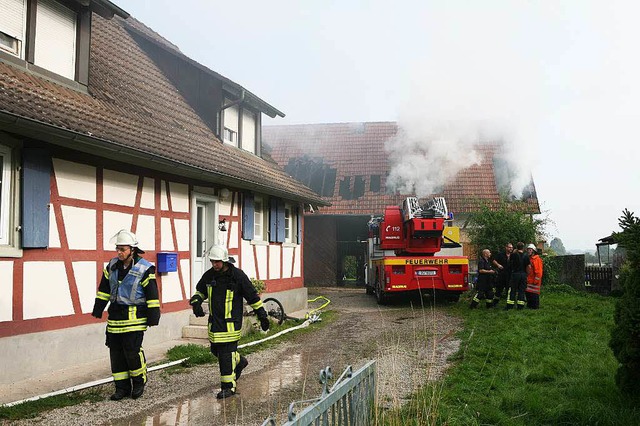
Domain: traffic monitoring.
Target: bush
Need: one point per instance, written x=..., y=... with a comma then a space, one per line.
x=625, y=336
x=259, y=285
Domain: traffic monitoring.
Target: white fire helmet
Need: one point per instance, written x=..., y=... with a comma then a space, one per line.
x=220, y=253
x=531, y=246
x=125, y=238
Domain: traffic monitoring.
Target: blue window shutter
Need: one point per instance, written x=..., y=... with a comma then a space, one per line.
x=273, y=220
x=247, y=216
x=36, y=196
x=280, y=221
x=298, y=225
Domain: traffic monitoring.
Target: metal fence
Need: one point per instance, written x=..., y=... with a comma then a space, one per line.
x=349, y=402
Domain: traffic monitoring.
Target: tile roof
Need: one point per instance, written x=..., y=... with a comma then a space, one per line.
x=132, y=105
x=347, y=164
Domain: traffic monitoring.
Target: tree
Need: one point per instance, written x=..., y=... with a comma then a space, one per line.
x=625, y=336
x=557, y=246
x=493, y=227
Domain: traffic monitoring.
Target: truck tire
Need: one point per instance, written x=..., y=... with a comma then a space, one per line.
x=381, y=298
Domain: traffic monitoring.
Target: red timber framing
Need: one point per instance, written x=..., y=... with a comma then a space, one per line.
x=65, y=254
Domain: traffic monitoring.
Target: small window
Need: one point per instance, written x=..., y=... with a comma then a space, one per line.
x=9, y=44
x=290, y=223
x=259, y=217
x=5, y=195
x=230, y=136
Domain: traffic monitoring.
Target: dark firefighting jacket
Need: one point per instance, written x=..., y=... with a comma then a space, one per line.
x=133, y=294
x=225, y=292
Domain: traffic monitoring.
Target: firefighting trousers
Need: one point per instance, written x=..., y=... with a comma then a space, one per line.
x=502, y=284
x=128, y=363
x=228, y=359
x=533, y=300
x=516, y=289
x=485, y=291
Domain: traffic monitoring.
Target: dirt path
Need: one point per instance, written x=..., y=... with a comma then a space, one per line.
x=410, y=344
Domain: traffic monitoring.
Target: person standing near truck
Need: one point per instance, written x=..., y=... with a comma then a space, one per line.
x=486, y=274
x=501, y=263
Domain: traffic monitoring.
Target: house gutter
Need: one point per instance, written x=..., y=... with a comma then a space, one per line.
x=88, y=143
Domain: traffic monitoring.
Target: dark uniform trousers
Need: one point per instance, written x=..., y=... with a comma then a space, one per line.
x=128, y=363
x=517, y=287
x=228, y=359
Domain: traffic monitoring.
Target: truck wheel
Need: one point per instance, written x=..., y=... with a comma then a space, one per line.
x=453, y=298
x=380, y=296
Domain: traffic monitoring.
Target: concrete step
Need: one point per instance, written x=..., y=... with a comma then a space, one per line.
x=194, y=320
x=195, y=332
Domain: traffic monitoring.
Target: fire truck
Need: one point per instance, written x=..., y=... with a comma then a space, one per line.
x=402, y=252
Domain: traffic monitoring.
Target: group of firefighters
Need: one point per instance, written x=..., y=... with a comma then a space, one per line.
x=518, y=272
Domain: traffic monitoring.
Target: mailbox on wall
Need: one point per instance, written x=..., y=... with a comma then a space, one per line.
x=167, y=262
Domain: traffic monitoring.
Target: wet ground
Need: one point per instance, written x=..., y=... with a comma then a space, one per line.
x=410, y=343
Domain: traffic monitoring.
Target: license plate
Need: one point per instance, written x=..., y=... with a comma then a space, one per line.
x=426, y=273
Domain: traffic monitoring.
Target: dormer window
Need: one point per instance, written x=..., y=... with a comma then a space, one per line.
x=51, y=37
x=241, y=127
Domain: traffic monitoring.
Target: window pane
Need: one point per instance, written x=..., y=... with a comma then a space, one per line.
x=258, y=218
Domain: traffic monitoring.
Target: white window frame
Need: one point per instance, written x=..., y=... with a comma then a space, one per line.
x=289, y=226
x=260, y=218
x=9, y=205
x=14, y=30
x=55, y=40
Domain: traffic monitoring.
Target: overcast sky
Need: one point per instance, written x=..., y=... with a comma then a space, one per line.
x=558, y=81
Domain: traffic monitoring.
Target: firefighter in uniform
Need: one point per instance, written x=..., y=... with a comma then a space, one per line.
x=128, y=284
x=225, y=286
x=486, y=274
x=534, y=278
x=520, y=265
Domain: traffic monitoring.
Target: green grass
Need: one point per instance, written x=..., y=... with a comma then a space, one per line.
x=32, y=409
x=552, y=366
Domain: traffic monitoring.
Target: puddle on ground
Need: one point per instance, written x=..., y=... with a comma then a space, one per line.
x=205, y=409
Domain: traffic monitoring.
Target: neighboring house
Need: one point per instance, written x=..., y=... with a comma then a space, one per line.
x=105, y=125
x=348, y=165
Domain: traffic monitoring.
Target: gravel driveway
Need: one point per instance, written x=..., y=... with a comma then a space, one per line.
x=411, y=344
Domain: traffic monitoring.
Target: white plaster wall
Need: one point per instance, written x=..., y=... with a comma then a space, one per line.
x=224, y=207
x=119, y=188
x=247, y=262
x=274, y=262
x=261, y=253
x=148, y=199
x=46, y=290
x=80, y=225
x=54, y=235
x=166, y=236
x=171, y=289
x=297, y=267
x=87, y=283
x=75, y=180
x=146, y=232
x=287, y=259
x=112, y=222
x=232, y=231
x=235, y=206
x=179, y=197
x=182, y=234
x=185, y=268
x=6, y=289
x=164, y=202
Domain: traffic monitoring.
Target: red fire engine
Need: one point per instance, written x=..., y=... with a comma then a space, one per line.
x=402, y=251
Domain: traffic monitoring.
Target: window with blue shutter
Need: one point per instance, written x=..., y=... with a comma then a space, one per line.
x=247, y=216
x=280, y=224
x=36, y=196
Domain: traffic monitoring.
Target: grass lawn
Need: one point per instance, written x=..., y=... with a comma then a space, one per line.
x=552, y=366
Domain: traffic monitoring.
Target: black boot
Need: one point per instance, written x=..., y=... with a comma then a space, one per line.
x=473, y=304
x=138, y=387
x=123, y=389
x=508, y=307
x=241, y=366
x=225, y=393
x=495, y=302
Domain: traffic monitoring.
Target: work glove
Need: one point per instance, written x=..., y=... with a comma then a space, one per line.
x=264, y=323
x=197, y=310
x=153, y=317
x=97, y=312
